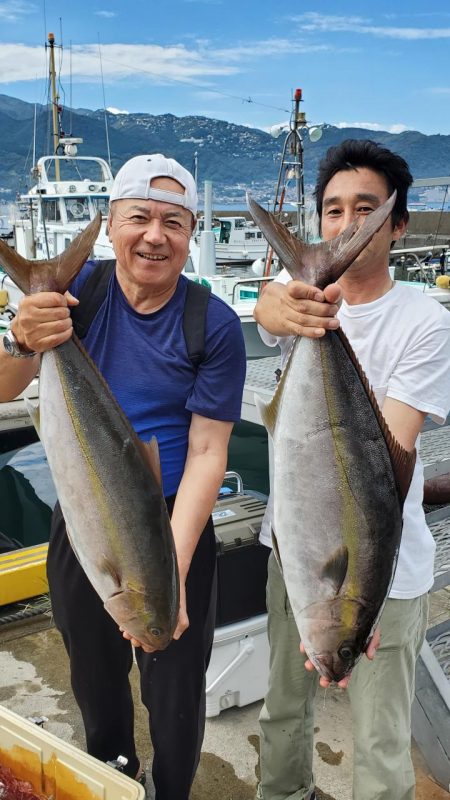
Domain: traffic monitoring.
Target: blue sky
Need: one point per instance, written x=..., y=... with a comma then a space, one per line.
x=384, y=66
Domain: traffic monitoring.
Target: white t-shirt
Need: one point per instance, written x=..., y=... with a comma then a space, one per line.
x=402, y=341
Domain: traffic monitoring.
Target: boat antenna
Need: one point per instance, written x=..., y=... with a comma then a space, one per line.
x=70, y=84
x=104, y=102
x=55, y=102
x=292, y=168
x=34, y=135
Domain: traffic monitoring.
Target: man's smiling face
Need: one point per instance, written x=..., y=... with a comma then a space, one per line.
x=150, y=239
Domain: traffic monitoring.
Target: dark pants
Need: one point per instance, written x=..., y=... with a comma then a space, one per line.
x=172, y=681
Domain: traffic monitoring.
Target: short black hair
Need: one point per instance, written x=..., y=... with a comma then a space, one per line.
x=354, y=153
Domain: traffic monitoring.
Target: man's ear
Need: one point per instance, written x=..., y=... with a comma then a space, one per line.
x=399, y=230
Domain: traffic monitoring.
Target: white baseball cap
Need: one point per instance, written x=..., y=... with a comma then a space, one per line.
x=133, y=180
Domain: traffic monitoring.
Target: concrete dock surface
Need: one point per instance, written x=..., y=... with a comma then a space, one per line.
x=34, y=680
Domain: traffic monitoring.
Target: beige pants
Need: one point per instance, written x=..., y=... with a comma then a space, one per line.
x=381, y=694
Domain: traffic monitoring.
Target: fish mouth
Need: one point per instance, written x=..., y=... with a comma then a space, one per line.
x=330, y=667
x=146, y=625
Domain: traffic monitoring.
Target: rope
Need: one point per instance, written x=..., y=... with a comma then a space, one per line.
x=19, y=616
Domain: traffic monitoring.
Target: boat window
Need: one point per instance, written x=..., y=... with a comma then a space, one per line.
x=239, y=223
x=101, y=204
x=51, y=211
x=77, y=209
x=250, y=235
x=225, y=230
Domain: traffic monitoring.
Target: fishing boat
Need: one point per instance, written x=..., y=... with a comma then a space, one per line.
x=237, y=240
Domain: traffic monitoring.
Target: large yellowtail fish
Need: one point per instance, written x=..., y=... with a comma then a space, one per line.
x=340, y=478
x=107, y=480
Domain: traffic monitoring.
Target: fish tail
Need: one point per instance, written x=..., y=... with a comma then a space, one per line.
x=323, y=263
x=55, y=274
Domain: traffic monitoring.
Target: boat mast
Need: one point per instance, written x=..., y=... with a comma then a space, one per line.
x=55, y=102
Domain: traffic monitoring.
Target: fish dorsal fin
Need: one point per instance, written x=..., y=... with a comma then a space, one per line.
x=335, y=569
x=55, y=274
x=319, y=264
x=269, y=411
x=403, y=461
x=150, y=452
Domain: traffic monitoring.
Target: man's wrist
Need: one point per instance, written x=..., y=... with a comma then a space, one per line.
x=14, y=348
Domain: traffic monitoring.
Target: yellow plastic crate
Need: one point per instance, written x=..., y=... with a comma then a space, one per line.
x=23, y=574
x=57, y=769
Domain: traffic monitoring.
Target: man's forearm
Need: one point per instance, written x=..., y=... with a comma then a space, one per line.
x=196, y=497
x=15, y=374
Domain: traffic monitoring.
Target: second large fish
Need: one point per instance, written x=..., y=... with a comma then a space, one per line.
x=340, y=478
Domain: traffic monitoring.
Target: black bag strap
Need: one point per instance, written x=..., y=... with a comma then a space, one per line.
x=194, y=320
x=93, y=293
x=91, y=296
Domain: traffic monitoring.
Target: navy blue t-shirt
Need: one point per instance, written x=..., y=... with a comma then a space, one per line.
x=144, y=359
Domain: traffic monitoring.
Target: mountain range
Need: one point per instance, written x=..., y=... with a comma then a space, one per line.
x=234, y=157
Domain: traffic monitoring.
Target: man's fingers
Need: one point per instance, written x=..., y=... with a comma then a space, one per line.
x=374, y=644
x=71, y=300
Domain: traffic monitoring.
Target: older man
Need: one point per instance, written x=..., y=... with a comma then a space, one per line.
x=136, y=340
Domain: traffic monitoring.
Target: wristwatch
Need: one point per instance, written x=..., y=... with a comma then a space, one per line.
x=13, y=348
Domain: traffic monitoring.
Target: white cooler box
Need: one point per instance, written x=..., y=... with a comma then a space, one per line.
x=238, y=672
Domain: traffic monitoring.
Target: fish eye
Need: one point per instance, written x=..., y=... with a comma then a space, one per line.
x=346, y=651
x=155, y=631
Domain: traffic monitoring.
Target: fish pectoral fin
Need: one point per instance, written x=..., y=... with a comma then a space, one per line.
x=106, y=566
x=150, y=451
x=33, y=410
x=336, y=568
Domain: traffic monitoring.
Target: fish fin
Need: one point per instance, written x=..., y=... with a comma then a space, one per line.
x=319, y=264
x=150, y=451
x=276, y=550
x=34, y=412
x=403, y=461
x=106, y=567
x=55, y=274
x=437, y=490
x=336, y=568
x=269, y=411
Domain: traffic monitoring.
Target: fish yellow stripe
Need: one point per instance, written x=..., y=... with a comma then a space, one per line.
x=349, y=524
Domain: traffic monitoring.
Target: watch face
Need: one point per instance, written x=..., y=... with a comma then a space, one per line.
x=9, y=345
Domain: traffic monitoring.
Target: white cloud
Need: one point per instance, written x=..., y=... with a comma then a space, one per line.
x=397, y=127
x=12, y=10
x=176, y=62
x=113, y=110
x=440, y=90
x=196, y=63
x=312, y=21
x=105, y=14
